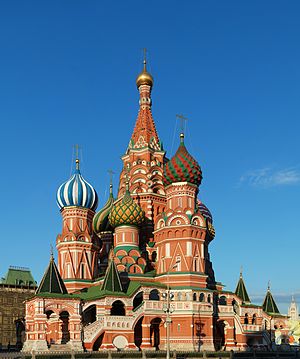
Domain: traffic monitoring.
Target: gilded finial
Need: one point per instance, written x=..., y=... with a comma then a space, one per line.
x=144, y=78
x=51, y=253
x=145, y=59
x=269, y=285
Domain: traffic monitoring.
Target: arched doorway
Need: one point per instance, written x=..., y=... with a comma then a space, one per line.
x=117, y=308
x=155, y=332
x=89, y=315
x=138, y=333
x=98, y=342
x=219, y=337
x=65, y=331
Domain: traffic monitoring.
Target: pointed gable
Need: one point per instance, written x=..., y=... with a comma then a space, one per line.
x=52, y=281
x=112, y=281
x=269, y=305
x=241, y=290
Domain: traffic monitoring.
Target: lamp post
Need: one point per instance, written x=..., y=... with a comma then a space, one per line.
x=168, y=309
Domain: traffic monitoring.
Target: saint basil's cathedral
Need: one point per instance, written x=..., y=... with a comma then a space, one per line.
x=137, y=274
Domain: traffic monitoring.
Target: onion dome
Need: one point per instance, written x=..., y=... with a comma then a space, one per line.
x=182, y=167
x=100, y=221
x=126, y=212
x=144, y=78
x=204, y=211
x=77, y=192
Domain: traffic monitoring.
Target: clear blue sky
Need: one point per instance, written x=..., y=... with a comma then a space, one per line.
x=67, y=75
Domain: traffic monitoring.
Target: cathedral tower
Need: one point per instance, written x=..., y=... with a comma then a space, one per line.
x=77, y=245
x=143, y=162
x=182, y=232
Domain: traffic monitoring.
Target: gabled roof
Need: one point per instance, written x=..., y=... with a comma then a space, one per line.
x=241, y=290
x=112, y=281
x=52, y=281
x=269, y=305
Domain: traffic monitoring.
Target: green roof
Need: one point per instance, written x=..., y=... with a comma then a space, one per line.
x=241, y=290
x=52, y=281
x=269, y=304
x=112, y=281
x=19, y=276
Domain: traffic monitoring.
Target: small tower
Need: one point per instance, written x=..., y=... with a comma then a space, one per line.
x=77, y=245
x=125, y=217
x=293, y=312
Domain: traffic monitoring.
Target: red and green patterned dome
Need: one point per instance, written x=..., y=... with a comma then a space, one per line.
x=182, y=167
x=126, y=212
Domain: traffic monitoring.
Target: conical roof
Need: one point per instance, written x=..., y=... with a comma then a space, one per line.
x=52, y=281
x=241, y=290
x=112, y=281
x=269, y=305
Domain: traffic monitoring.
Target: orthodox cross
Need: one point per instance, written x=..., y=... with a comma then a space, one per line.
x=111, y=175
x=145, y=61
x=182, y=122
x=77, y=148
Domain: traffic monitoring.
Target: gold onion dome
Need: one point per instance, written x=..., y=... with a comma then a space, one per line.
x=100, y=221
x=126, y=212
x=144, y=78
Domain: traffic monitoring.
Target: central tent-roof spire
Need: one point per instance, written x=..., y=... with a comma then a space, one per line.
x=144, y=133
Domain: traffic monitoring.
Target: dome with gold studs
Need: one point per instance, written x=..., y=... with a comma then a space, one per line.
x=126, y=212
x=144, y=78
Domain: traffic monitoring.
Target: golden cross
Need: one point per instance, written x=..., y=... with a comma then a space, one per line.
x=145, y=61
x=182, y=120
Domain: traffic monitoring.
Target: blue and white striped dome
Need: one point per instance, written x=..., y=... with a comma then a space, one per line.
x=77, y=192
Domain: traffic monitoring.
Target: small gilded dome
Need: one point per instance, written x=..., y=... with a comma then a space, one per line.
x=100, y=221
x=182, y=167
x=126, y=212
x=144, y=78
x=77, y=192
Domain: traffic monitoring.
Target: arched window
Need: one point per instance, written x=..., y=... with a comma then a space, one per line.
x=254, y=319
x=222, y=300
x=246, y=320
x=179, y=296
x=201, y=297
x=208, y=298
x=194, y=296
x=137, y=300
x=82, y=270
x=154, y=295
x=177, y=265
x=117, y=308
